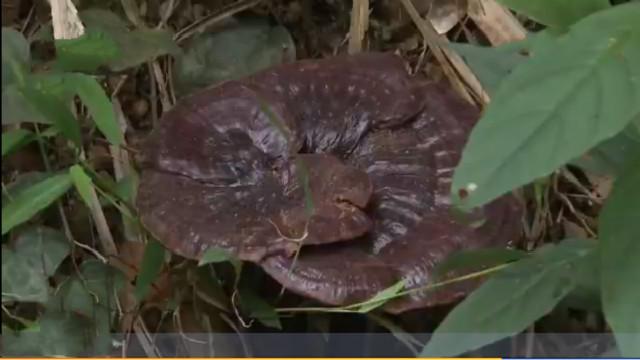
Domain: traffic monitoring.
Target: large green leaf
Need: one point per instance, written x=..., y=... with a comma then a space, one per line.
x=609, y=157
x=567, y=98
x=620, y=267
x=91, y=294
x=134, y=46
x=36, y=255
x=30, y=200
x=44, y=247
x=238, y=51
x=557, y=13
x=21, y=281
x=513, y=299
x=15, y=57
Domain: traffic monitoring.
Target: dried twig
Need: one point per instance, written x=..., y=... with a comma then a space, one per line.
x=452, y=64
x=65, y=20
x=496, y=22
x=359, y=25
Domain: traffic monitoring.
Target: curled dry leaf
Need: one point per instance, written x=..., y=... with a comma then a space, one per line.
x=348, y=158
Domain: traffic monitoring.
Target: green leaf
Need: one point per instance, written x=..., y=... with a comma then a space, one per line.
x=475, y=260
x=17, y=109
x=91, y=294
x=100, y=108
x=64, y=334
x=609, y=157
x=88, y=52
x=620, y=247
x=492, y=65
x=556, y=13
x=45, y=248
x=15, y=57
x=56, y=111
x=382, y=297
x=83, y=184
x=21, y=281
x=152, y=262
x=237, y=51
x=513, y=299
x=135, y=46
x=29, y=201
x=219, y=255
x=215, y=255
x=257, y=308
x=15, y=139
x=551, y=109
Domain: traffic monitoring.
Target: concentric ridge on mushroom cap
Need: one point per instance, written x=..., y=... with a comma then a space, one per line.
x=348, y=160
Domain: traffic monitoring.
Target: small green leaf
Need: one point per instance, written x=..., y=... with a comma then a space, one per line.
x=512, y=299
x=215, y=255
x=56, y=111
x=99, y=106
x=86, y=53
x=554, y=12
x=83, y=184
x=381, y=297
x=218, y=255
x=152, y=262
x=237, y=51
x=475, y=260
x=567, y=98
x=29, y=201
x=620, y=269
x=15, y=139
x=257, y=308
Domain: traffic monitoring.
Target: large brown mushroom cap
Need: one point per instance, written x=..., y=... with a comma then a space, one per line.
x=349, y=157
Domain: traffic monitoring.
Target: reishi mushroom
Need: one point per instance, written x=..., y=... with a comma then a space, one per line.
x=347, y=160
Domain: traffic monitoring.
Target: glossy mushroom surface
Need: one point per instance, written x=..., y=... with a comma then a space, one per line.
x=347, y=160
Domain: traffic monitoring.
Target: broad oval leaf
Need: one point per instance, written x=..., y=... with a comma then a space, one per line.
x=30, y=200
x=513, y=299
x=567, y=98
x=21, y=280
x=477, y=259
x=234, y=52
x=556, y=13
x=620, y=268
x=44, y=247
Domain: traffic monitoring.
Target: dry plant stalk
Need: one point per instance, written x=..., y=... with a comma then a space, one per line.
x=359, y=25
x=65, y=20
x=496, y=22
x=453, y=65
